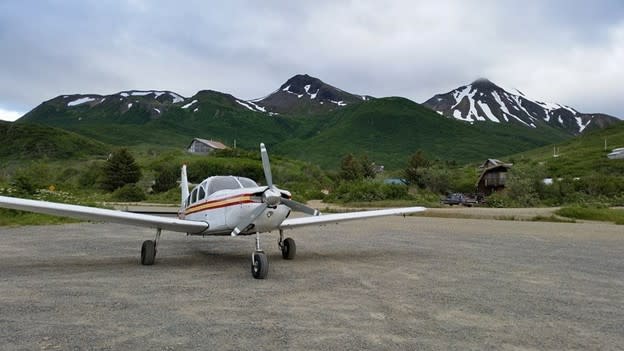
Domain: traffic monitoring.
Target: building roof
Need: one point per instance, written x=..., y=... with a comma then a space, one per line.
x=211, y=143
x=492, y=162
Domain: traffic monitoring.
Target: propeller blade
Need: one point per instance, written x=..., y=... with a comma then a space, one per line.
x=241, y=227
x=298, y=206
x=266, y=165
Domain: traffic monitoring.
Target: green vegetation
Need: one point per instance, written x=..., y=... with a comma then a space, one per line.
x=579, y=157
x=386, y=130
x=18, y=218
x=335, y=152
x=593, y=214
x=120, y=169
x=34, y=141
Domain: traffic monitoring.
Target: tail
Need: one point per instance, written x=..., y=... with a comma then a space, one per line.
x=184, y=187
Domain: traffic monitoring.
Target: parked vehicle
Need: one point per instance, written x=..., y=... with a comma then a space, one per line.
x=459, y=199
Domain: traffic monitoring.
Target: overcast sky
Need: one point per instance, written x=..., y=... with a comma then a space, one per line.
x=564, y=51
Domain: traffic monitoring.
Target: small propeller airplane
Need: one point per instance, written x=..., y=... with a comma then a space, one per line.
x=219, y=205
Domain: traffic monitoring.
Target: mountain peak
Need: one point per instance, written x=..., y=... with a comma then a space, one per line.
x=484, y=102
x=484, y=84
x=304, y=94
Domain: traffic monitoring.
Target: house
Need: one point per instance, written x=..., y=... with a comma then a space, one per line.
x=203, y=146
x=493, y=176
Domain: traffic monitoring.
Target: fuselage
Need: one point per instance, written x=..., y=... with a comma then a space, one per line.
x=225, y=201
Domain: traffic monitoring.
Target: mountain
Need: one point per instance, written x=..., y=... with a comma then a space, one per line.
x=388, y=130
x=306, y=95
x=484, y=101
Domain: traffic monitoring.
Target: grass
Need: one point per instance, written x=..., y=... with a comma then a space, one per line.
x=593, y=214
x=552, y=218
x=13, y=218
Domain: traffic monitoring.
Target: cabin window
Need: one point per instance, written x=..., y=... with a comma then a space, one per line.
x=202, y=193
x=247, y=183
x=194, y=196
x=222, y=183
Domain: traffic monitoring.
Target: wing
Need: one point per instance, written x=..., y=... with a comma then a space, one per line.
x=100, y=214
x=349, y=216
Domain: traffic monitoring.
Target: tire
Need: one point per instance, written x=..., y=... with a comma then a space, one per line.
x=289, y=249
x=148, y=253
x=259, y=265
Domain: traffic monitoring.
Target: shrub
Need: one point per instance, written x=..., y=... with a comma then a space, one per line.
x=368, y=191
x=129, y=192
x=165, y=180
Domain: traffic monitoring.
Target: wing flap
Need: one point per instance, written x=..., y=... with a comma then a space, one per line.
x=349, y=216
x=104, y=215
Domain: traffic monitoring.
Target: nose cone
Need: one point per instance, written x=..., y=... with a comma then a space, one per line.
x=272, y=197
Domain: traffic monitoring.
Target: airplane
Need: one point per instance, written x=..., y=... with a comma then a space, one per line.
x=219, y=205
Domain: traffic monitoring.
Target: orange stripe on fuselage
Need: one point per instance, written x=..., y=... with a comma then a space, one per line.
x=210, y=205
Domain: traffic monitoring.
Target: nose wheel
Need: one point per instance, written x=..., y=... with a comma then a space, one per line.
x=259, y=261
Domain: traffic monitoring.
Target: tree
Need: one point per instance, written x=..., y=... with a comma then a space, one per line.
x=368, y=167
x=416, y=167
x=120, y=169
x=350, y=168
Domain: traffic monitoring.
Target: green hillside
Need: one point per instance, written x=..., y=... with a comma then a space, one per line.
x=582, y=155
x=388, y=130
x=33, y=141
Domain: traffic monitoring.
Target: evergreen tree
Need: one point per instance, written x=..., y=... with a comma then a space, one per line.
x=120, y=169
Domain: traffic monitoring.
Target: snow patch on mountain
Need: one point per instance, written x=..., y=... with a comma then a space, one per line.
x=483, y=101
x=189, y=104
x=80, y=101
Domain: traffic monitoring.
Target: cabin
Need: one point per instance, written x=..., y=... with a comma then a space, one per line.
x=493, y=176
x=203, y=146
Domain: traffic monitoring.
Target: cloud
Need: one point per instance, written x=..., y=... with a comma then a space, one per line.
x=564, y=51
x=7, y=115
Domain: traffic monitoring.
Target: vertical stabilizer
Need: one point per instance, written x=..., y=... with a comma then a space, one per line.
x=184, y=187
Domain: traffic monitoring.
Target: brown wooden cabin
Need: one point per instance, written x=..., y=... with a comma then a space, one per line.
x=493, y=176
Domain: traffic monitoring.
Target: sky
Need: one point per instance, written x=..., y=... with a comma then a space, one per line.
x=564, y=51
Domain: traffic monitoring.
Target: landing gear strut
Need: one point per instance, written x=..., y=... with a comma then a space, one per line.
x=149, y=249
x=288, y=247
x=259, y=261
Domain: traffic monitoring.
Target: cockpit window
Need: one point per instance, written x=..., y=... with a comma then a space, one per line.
x=247, y=183
x=194, y=196
x=222, y=183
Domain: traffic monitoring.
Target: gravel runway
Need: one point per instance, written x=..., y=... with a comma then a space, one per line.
x=389, y=284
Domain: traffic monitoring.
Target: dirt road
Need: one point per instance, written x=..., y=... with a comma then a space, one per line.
x=391, y=284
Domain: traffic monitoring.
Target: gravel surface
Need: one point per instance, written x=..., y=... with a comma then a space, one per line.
x=392, y=283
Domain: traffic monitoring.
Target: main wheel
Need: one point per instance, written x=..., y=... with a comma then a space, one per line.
x=259, y=265
x=148, y=253
x=289, y=249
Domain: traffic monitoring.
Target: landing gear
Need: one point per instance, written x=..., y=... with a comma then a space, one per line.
x=259, y=265
x=259, y=261
x=148, y=250
x=288, y=247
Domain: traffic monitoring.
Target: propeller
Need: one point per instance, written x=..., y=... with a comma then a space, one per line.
x=271, y=196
